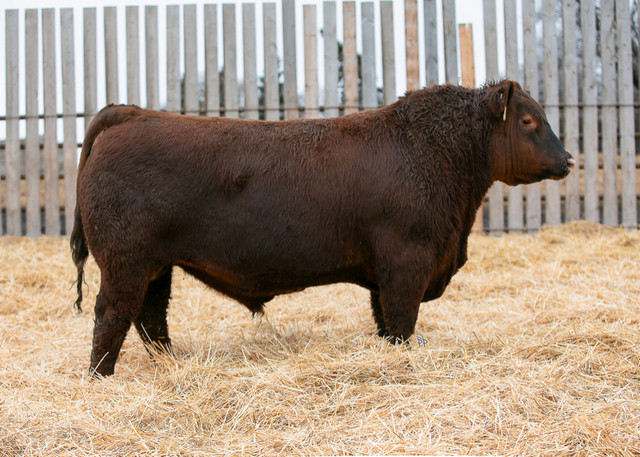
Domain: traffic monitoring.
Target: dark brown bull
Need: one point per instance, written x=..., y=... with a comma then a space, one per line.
x=384, y=198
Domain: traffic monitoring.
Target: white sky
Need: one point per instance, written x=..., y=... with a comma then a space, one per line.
x=467, y=11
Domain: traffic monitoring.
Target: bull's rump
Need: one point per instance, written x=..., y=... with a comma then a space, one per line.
x=270, y=206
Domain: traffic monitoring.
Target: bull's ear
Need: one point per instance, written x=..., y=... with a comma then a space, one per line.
x=502, y=97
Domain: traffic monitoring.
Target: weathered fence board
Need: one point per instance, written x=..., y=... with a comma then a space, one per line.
x=230, y=60
x=551, y=100
x=515, y=221
x=411, y=44
x=609, y=115
x=533, y=194
x=369, y=90
x=50, y=154
x=589, y=110
x=68, y=115
x=250, y=71
x=626, y=102
x=571, y=111
x=190, y=25
x=151, y=56
x=133, y=56
x=289, y=51
x=350, y=58
x=12, y=144
x=310, y=62
x=32, y=160
x=271, y=83
x=111, y=53
x=330, y=39
x=496, y=197
x=211, y=73
x=90, y=65
x=431, y=42
x=585, y=84
x=173, y=59
x=388, y=53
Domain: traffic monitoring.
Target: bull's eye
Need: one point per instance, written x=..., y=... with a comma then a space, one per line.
x=527, y=122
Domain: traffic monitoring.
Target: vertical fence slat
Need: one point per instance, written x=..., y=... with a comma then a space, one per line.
x=431, y=42
x=534, y=206
x=290, y=73
x=151, y=56
x=32, y=140
x=212, y=74
x=271, y=82
x=551, y=97
x=627, y=140
x=51, y=180
x=230, y=61
x=69, y=146
x=90, y=65
x=350, y=58
x=133, y=56
x=515, y=210
x=411, y=43
x=571, y=110
x=191, y=105
x=330, y=59
x=496, y=192
x=450, y=42
x=249, y=52
x=590, y=110
x=468, y=74
x=369, y=90
x=388, y=53
x=111, y=53
x=12, y=145
x=609, y=115
x=310, y=62
x=173, y=59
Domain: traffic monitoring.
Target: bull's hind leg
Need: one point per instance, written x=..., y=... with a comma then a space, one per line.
x=151, y=324
x=118, y=303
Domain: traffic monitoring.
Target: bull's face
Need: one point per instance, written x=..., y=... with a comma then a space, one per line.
x=524, y=147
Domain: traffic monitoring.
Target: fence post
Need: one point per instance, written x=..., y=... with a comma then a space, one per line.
x=151, y=56
x=133, y=56
x=290, y=74
x=310, y=62
x=191, y=102
x=330, y=40
x=551, y=98
x=627, y=140
x=350, y=58
x=571, y=110
x=249, y=52
x=515, y=209
x=468, y=74
x=173, y=59
x=211, y=72
x=271, y=83
x=111, y=53
x=450, y=34
x=388, y=53
x=534, y=206
x=431, y=42
x=12, y=145
x=51, y=176
x=230, y=61
x=411, y=44
x=369, y=90
x=590, y=110
x=70, y=148
x=32, y=140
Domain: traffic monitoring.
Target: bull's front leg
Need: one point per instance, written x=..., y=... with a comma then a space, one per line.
x=402, y=287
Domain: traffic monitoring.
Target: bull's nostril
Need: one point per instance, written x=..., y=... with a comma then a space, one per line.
x=571, y=162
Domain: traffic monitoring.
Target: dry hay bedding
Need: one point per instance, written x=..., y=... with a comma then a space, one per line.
x=534, y=348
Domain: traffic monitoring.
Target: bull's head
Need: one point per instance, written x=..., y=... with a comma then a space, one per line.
x=523, y=147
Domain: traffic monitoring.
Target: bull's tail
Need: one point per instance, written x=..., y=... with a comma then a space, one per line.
x=107, y=117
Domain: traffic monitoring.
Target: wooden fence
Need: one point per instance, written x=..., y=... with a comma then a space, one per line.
x=589, y=97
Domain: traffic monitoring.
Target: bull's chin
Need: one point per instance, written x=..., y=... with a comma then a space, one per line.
x=530, y=179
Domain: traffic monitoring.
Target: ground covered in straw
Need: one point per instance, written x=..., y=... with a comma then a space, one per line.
x=534, y=348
